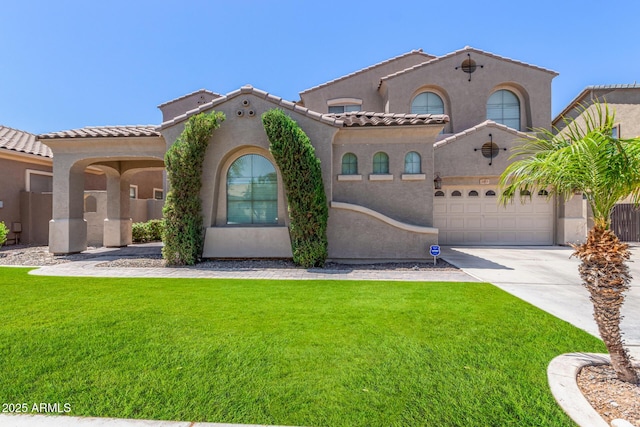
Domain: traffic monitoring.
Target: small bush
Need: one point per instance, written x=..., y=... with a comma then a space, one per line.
x=150, y=231
x=3, y=233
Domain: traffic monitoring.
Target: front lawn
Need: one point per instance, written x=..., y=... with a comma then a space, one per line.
x=307, y=353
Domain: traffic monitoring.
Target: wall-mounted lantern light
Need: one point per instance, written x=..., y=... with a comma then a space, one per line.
x=437, y=182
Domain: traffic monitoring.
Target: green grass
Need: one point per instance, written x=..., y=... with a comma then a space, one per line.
x=313, y=353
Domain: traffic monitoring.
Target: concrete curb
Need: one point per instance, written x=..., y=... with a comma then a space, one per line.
x=65, y=421
x=562, y=373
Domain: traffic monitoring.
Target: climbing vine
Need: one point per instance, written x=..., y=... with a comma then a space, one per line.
x=302, y=176
x=183, y=234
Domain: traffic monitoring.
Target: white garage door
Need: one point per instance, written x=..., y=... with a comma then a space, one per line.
x=472, y=216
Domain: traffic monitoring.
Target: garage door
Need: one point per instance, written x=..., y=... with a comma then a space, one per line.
x=472, y=216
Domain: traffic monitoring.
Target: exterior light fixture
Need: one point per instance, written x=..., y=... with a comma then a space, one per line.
x=437, y=182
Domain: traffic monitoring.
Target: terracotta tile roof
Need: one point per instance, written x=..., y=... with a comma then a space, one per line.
x=466, y=49
x=188, y=95
x=104, y=132
x=413, y=52
x=472, y=130
x=24, y=142
x=557, y=121
x=360, y=118
x=337, y=120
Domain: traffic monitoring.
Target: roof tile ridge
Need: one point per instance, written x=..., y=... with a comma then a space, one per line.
x=456, y=52
x=16, y=130
x=186, y=96
x=368, y=68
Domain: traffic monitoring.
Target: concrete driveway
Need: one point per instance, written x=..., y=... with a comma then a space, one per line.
x=547, y=277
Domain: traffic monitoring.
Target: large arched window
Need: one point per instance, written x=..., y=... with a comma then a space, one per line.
x=349, y=164
x=427, y=103
x=412, y=162
x=380, y=163
x=503, y=107
x=252, y=191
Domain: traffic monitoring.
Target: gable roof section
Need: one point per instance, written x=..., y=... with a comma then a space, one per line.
x=353, y=119
x=23, y=142
x=586, y=91
x=466, y=49
x=477, y=128
x=104, y=132
x=180, y=98
x=369, y=68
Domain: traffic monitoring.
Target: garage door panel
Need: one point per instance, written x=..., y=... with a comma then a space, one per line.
x=481, y=220
x=456, y=208
x=474, y=208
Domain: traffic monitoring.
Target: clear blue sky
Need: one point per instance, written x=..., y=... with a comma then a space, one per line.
x=69, y=64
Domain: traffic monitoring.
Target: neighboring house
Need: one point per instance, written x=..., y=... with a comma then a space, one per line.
x=26, y=185
x=410, y=148
x=624, y=101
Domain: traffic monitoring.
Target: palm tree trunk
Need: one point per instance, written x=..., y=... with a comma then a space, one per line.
x=606, y=276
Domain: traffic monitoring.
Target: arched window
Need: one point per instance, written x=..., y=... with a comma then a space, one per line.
x=412, y=162
x=427, y=103
x=473, y=193
x=490, y=193
x=252, y=191
x=439, y=193
x=349, y=164
x=456, y=193
x=380, y=163
x=503, y=107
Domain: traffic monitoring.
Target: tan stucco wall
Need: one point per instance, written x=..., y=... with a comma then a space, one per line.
x=362, y=85
x=409, y=201
x=467, y=99
x=457, y=158
x=354, y=235
x=12, y=182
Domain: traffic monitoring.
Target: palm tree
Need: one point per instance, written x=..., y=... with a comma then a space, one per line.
x=585, y=157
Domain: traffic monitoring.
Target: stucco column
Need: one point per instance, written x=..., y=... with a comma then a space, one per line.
x=117, y=225
x=67, y=228
x=572, y=220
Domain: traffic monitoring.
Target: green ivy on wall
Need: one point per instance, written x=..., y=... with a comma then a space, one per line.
x=302, y=176
x=183, y=234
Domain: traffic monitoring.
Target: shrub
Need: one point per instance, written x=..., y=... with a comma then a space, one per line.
x=183, y=235
x=150, y=231
x=302, y=176
x=3, y=233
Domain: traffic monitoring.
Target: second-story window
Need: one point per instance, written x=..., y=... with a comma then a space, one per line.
x=349, y=164
x=427, y=103
x=503, y=107
x=380, y=163
x=339, y=109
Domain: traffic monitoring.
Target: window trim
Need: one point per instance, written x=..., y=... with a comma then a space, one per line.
x=27, y=177
x=344, y=102
x=154, y=193
x=135, y=188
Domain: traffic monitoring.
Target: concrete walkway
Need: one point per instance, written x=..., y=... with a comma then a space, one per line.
x=547, y=277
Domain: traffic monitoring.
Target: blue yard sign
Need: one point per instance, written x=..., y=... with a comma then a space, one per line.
x=434, y=250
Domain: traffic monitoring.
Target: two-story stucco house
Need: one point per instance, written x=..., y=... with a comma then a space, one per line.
x=410, y=148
